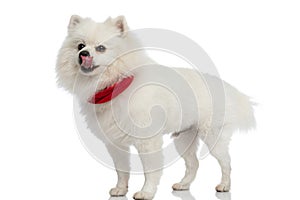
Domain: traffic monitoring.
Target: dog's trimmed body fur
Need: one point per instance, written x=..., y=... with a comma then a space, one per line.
x=112, y=65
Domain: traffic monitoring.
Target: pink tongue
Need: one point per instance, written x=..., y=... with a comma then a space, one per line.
x=87, y=61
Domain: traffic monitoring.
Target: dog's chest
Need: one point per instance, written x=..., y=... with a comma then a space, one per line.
x=104, y=124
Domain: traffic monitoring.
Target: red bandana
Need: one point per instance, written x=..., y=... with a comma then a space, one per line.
x=111, y=92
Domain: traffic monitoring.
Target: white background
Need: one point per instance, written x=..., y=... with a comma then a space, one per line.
x=254, y=44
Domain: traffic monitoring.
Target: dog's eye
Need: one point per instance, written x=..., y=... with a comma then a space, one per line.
x=101, y=48
x=80, y=46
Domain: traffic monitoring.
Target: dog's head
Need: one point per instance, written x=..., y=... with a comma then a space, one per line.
x=89, y=48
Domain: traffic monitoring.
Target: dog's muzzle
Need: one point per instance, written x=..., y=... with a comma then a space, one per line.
x=86, y=62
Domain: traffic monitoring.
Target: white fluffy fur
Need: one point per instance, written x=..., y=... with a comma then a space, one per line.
x=113, y=34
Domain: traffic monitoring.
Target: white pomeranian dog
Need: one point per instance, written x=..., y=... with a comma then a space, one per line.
x=129, y=100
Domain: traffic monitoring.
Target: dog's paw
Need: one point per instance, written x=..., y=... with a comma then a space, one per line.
x=223, y=187
x=179, y=186
x=143, y=195
x=116, y=192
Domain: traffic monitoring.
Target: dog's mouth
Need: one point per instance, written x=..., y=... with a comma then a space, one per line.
x=90, y=69
x=86, y=64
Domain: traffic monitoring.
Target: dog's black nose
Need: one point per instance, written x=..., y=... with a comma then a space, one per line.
x=83, y=54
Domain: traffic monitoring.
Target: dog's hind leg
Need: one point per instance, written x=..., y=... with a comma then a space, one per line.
x=186, y=145
x=218, y=145
x=120, y=158
x=150, y=153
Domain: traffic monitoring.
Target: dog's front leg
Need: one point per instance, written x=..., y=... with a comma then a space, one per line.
x=120, y=156
x=151, y=156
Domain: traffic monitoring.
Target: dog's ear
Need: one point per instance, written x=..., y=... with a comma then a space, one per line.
x=121, y=24
x=74, y=21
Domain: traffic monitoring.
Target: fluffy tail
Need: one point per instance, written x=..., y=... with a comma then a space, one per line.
x=245, y=113
x=247, y=121
x=239, y=110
